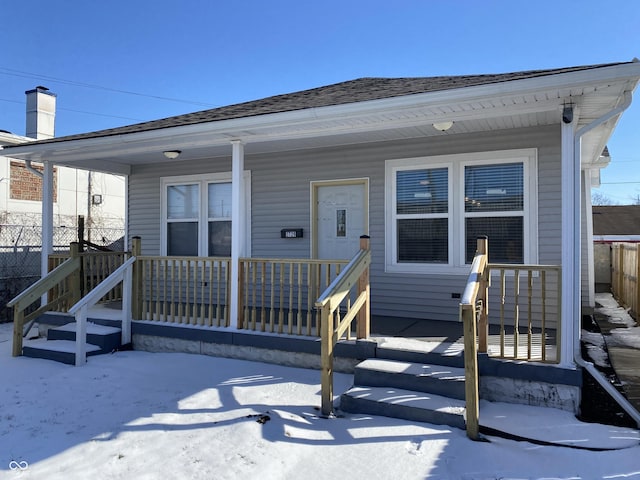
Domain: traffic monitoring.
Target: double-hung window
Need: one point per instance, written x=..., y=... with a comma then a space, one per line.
x=436, y=208
x=197, y=215
x=422, y=215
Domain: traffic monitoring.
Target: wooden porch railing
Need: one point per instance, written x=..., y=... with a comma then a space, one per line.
x=335, y=323
x=528, y=309
x=69, y=278
x=279, y=295
x=182, y=290
x=94, y=268
x=64, y=280
x=528, y=305
x=625, y=276
x=121, y=276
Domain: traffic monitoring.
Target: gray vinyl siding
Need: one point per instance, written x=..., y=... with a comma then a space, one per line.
x=145, y=196
x=280, y=198
x=586, y=258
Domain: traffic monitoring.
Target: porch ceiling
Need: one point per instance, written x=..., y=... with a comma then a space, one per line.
x=472, y=109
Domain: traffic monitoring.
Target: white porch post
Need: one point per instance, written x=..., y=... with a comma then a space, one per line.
x=570, y=312
x=238, y=241
x=47, y=221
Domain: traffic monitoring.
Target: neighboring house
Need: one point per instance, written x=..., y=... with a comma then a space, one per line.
x=616, y=223
x=611, y=224
x=422, y=165
x=97, y=196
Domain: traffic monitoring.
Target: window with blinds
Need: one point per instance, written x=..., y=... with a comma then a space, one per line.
x=494, y=207
x=422, y=209
x=437, y=207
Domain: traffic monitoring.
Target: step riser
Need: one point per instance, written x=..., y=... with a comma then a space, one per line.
x=107, y=343
x=410, y=390
x=404, y=412
x=452, y=388
x=420, y=357
x=61, y=357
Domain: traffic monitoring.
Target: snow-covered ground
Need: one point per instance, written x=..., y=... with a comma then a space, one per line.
x=137, y=415
x=628, y=335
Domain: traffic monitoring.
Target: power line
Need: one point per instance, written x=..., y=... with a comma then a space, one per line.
x=81, y=111
x=620, y=183
x=20, y=73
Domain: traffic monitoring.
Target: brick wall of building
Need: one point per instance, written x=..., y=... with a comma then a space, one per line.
x=26, y=185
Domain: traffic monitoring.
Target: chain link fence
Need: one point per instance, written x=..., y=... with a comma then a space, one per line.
x=20, y=249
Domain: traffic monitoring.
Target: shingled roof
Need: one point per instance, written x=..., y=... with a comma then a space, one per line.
x=616, y=220
x=352, y=91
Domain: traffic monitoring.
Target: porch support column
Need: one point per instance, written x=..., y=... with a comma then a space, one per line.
x=570, y=312
x=47, y=221
x=238, y=240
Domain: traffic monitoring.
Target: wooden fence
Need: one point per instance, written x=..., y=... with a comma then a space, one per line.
x=625, y=272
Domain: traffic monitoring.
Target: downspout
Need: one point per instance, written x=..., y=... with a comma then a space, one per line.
x=577, y=354
x=32, y=169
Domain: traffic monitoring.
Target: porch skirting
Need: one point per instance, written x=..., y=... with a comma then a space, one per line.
x=293, y=351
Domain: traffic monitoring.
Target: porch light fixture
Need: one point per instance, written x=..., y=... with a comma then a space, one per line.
x=171, y=154
x=443, y=126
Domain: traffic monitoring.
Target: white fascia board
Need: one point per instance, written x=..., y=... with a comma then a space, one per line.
x=103, y=166
x=9, y=139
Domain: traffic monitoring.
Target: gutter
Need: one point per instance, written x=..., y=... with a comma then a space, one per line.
x=577, y=354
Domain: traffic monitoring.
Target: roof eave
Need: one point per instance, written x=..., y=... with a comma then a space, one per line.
x=624, y=72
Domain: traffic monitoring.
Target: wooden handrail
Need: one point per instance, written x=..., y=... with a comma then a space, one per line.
x=355, y=274
x=122, y=274
x=35, y=292
x=42, y=286
x=474, y=299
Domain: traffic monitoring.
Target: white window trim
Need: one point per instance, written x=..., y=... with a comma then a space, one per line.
x=203, y=220
x=456, y=164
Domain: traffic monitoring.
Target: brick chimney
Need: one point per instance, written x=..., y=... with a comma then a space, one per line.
x=41, y=113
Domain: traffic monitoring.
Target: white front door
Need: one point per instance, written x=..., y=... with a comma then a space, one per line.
x=341, y=211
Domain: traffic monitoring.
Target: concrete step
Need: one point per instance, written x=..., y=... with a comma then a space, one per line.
x=418, y=351
x=437, y=379
x=106, y=338
x=405, y=404
x=58, y=350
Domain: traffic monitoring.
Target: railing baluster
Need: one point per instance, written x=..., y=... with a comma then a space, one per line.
x=151, y=292
x=254, y=268
x=290, y=312
x=299, y=293
x=310, y=297
x=272, y=312
x=158, y=278
x=543, y=319
x=172, y=279
x=263, y=280
x=516, y=315
x=529, y=313
x=281, y=309
x=503, y=291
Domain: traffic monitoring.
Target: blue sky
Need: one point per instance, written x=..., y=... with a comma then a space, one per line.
x=213, y=53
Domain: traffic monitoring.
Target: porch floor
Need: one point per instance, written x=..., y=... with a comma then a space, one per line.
x=451, y=333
